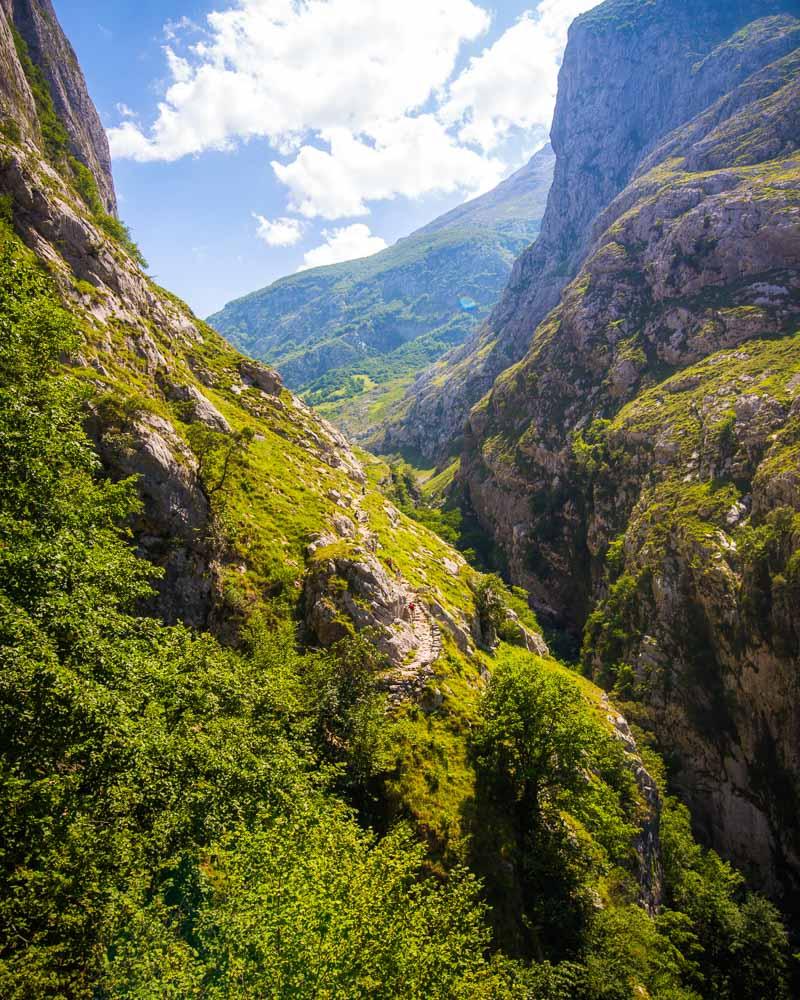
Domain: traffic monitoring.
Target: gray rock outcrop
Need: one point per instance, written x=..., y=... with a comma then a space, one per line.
x=172, y=529
x=638, y=467
x=50, y=50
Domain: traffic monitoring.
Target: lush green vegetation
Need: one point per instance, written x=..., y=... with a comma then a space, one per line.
x=570, y=810
x=358, y=396
x=86, y=186
x=443, y=514
x=168, y=823
x=349, y=381
x=180, y=819
x=329, y=318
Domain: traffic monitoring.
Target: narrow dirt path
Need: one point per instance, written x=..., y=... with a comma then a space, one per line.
x=412, y=677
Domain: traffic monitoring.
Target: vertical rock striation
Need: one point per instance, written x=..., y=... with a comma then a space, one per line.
x=50, y=50
x=639, y=467
x=632, y=72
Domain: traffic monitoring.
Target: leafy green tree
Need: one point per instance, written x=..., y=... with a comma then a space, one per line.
x=309, y=906
x=219, y=456
x=627, y=957
x=490, y=607
x=535, y=738
x=742, y=948
x=533, y=750
x=348, y=711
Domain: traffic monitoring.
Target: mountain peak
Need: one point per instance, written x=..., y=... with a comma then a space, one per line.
x=350, y=335
x=50, y=53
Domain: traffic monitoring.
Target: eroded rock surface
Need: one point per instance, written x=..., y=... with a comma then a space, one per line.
x=621, y=91
x=50, y=50
x=639, y=467
x=347, y=588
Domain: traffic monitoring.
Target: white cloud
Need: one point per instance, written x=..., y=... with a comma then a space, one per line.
x=512, y=85
x=180, y=68
x=279, y=232
x=175, y=28
x=347, y=243
x=358, y=97
x=125, y=111
x=410, y=157
x=279, y=68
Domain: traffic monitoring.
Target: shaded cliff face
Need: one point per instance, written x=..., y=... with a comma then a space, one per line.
x=632, y=72
x=639, y=467
x=47, y=46
x=16, y=100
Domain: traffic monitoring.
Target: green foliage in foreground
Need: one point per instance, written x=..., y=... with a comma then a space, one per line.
x=541, y=750
x=176, y=818
x=165, y=824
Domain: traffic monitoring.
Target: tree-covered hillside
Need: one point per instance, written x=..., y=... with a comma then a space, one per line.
x=352, y=336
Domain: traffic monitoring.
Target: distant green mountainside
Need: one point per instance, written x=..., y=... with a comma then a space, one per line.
x=351, y=336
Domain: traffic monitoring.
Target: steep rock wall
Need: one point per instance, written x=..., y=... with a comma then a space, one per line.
x=642, y=461
x=50, y=50
x=631, y=73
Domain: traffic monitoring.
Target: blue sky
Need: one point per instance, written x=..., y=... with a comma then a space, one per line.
x=252, y=138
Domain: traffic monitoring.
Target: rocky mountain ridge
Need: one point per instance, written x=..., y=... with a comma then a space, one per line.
x=350, y=336
x=631, y=73
x=249, y=499
x=638, y=468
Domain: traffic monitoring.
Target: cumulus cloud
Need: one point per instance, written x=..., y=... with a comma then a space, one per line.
x=347, y=243
x=289, y=66
x=410, y=156
x=512, y=84
x=282, y=232
x=358, y=98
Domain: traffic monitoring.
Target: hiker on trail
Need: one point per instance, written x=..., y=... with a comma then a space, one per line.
x=411, y=608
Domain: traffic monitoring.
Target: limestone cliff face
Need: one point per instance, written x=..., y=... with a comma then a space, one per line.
x=48, y=47
x=639, y=467
x=631, y=73
x=16, y=99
